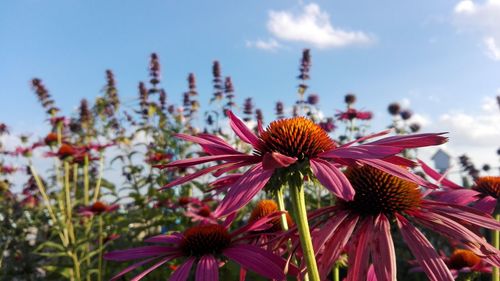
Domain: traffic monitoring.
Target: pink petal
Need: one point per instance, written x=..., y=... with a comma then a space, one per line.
x=486, y=204
x=437, y=176
x=155, y=266
x=242, y=130
x=385, y=132
x=412, y=141
x=275, y=160
x=243, y=190
x=258, y=225
x=194, y=175
x=207, y=269
x=210, y=144
x=422, y=249
x=182, y=272
x=371, y=276
x=467, y=214
x=461, y=196
x=258, y=260
x=327, y=230
x=400, y=161
x=332, y=178
x=130, y=268
x=204, y=159
x=359, y=253
x=363, y=151
x=138, y=253
x=397, y=171
x=167, y=239
x=383, y=253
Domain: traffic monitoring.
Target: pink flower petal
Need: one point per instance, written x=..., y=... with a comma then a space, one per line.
x=332, y=178
x=167, y=239
x=424, y=252
x=139, y=253
x=327, y=230
x=461, y=196
x=363, y=151
x=385, y=132
x=437, y=176
x=207, y=269
x=210, y=144
x=243, y=190
x=204, y=159
x=182, y=272
x=486, y=204
x=194, y=175
x=359, y=253
x=397, y=171
x=242, y=130
x=155, y=266
x=275, y=160
x=130, y=268
x=465, y=213
x=371, y=276
x=383, y=253
x=258, y=260
x=412, y=141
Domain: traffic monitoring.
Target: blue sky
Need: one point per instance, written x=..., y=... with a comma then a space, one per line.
x=442, y=58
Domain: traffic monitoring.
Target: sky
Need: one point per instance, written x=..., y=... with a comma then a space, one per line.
x=439, y=58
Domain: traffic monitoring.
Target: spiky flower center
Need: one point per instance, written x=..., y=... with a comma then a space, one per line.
x=264, y=208
x=463, y=258
x=204, y=212
x=98, y=207
x=205, y=239
x=379, y=192
x=295, y=137
x=489, y=186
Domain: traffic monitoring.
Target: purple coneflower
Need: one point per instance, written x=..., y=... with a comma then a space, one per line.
x=293, y=145
x=205, y=246
x=365, y=223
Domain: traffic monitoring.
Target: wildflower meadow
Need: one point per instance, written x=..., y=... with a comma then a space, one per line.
x=156, y=186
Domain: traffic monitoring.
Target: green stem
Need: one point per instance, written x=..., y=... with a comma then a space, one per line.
x=281, y=207
x=46, y=200
x=86, y=180
x=69, y=207
x=299, y=204
x=99, y=178
x=335, y=273
x=99, y=273
x=495, y=275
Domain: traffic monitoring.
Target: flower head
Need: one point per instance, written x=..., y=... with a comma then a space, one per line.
x=290, y=149
x=206, y=246
x=365, y=223
x=97, y=208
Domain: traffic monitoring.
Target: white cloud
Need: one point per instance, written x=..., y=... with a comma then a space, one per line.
x=312, y=26
x=492, y=49
x=483, y=18
x=269, y=45
x=475, y=134
x=465, y=7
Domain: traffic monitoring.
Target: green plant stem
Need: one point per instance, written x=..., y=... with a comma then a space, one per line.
x=495, y=275
x=281, y=207
x=46, y=200
x=335, y=273
x=99, y=273
x=86, y=180
x=69, y=207
x=298, y=202
x=99, y=178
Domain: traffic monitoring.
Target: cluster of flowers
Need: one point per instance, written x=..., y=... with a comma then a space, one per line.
x=373, y=186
